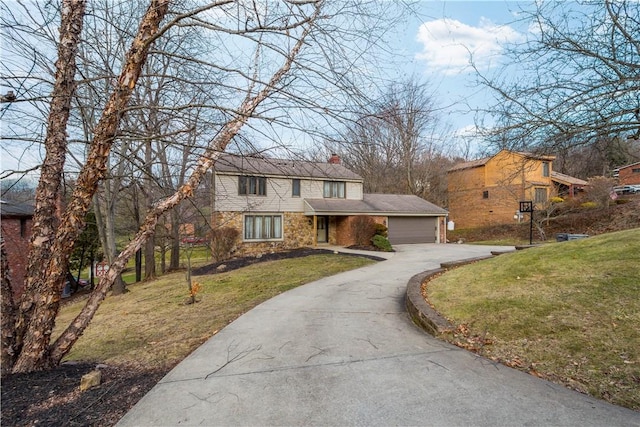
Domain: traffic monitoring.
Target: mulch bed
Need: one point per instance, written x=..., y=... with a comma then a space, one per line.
x=235, y=263
x=53, y=398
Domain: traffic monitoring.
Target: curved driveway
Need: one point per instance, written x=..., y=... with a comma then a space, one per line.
x=343, y=351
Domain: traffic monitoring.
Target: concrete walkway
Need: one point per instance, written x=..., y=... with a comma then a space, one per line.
x=343, y=351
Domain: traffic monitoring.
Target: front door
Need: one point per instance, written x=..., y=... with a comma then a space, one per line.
x=323, y=225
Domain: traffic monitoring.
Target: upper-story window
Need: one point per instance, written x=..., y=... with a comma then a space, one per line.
x=295, y=187
x=334, y=189
x=252, y=185
x=545, y=168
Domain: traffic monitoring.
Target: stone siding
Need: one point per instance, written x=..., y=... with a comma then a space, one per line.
x=297, y=232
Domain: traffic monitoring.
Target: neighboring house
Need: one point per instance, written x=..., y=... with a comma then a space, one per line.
x=279, y=204
x=628, y=175
x=488, y=191
x=16, y=222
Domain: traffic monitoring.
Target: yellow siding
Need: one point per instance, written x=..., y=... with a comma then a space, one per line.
x=507, y=178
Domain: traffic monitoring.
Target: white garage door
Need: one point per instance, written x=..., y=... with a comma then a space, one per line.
x=408, y=229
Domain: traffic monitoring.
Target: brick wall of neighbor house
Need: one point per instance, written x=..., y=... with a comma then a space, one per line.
x=17, y=247
x=489, y=194
x=470, y=209
x=629, y=175
x=297, y=233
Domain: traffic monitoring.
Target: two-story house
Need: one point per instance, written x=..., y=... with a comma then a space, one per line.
x=488, y=191
x=280, y=204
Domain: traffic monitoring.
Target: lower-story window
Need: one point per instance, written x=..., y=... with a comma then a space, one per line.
x=262, y=227
x=540, y=195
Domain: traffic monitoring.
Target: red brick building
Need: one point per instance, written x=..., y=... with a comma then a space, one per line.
x=628, y=175
x=15, y=222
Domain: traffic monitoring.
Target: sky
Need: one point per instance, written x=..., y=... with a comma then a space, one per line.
x=442, y=43
x=435, y=45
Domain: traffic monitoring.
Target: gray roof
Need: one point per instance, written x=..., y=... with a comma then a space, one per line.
x=14, y=209
x=379, y=204
x=233, y=164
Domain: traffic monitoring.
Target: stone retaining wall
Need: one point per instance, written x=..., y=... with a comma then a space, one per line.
x=420, y=311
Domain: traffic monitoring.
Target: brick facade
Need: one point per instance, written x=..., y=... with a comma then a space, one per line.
x=344, y=229
x=16, y=233
x=488, y=191
x=629, y=175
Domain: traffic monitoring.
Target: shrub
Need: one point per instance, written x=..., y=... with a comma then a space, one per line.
x=556, y=199
x=381, y=230
x=589, y=205
x=223, y=241
x=599, y=190
x=362, y=229
x=381, y=243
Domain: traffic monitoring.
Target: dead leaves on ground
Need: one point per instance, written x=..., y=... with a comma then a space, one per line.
x=481, y=345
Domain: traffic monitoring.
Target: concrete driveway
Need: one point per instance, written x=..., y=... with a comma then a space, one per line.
x=343, y=351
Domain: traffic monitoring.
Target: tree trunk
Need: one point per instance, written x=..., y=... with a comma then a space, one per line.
x=42, y=285
x=66, y=340
x=105, y=220
x=174, y=261
x=149, y=247
x=34, y=350
x=119, y=287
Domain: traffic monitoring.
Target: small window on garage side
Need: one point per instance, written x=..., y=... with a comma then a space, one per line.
x=485, y=194
x=295, y=187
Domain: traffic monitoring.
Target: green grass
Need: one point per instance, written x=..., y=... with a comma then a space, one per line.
x=151, y=325
x=569, y=312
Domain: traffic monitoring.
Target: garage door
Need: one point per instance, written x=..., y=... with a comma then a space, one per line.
x=404, y=229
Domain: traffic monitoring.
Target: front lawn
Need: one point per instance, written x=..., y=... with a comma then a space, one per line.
x=152, y=326
x=568, y=312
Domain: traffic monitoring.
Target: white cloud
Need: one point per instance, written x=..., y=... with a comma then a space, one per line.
x=449, y=45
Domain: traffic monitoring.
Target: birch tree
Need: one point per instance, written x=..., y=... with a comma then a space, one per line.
x=279, y=64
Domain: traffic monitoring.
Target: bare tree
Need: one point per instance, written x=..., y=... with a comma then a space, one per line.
x=275, y=69
x=397, y=146
x=574, y=81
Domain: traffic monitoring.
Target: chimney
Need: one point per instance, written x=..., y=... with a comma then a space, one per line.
x=335, y=159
